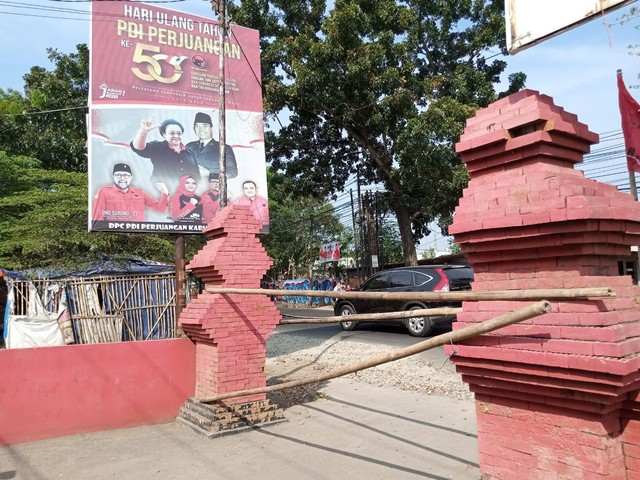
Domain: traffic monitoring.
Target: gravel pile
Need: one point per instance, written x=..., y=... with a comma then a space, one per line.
x=293, y=357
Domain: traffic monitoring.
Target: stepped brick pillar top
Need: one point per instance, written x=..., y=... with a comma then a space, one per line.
x=557, y=395
x=230, y=330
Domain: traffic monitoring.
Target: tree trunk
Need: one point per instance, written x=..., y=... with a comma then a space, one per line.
x=406, y=234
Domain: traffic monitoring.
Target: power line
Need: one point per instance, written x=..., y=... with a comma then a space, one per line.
x=87, y=14
x=39, y=112
x=89, y=1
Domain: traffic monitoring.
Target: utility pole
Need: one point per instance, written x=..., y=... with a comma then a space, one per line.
x=311, y=259
x=220, y=6
x=180, y=280
x=379, y=234
x=363, y=254
x=355, y=237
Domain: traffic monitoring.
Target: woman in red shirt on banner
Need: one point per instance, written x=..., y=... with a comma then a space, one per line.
x=185, y=205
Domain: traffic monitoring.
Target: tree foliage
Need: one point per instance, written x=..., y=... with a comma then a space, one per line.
x=47, y=122
x=298, y=226
x=379, y=87
x=43, y=220
x=390, y=244
x=634, y=48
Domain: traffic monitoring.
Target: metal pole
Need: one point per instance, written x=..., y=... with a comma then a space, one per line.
x=634, y=191
x=632, y=185
x=222, y=35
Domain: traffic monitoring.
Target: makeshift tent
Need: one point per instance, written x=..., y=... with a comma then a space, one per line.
x=111, y=301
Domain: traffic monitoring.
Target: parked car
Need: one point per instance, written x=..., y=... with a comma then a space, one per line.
x=423, y=278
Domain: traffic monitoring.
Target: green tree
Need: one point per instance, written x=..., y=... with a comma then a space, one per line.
x=454, y=248
x=48, y=121
x=380, y=87
x=634, y=48
x=43, y=220
x=390, y=244
x=428, y=253
x=298, y=226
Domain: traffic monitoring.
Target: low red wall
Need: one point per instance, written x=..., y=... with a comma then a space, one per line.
x=55, y=391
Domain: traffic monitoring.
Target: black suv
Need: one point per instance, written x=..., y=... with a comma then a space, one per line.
x=424, y=278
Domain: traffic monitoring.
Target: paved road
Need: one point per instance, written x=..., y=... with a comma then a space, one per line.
x=392, y=335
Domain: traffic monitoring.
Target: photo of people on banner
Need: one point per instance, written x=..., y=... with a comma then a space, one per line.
x=329, y=252
x=158, y=170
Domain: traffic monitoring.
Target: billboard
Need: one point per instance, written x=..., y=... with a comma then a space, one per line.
x=529, y=23
x=154, y=120
x=329, y=252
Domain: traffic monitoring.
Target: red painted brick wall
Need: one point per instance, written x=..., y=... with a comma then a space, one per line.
x=55, y=391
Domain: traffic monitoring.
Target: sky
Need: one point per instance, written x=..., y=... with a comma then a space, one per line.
x=576, y=68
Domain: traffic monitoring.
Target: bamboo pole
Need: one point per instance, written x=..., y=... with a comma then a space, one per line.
x=534, y=310
x=531, y=294
x=373, y=317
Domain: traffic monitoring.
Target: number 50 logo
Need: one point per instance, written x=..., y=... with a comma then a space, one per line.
x=143, y=55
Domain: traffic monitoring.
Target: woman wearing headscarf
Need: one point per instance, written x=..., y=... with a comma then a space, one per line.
x=185, y=205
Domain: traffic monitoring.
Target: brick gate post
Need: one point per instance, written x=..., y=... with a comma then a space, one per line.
x=230, y=330
x=557, y=395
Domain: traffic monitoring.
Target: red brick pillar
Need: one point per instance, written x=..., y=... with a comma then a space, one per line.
x=230, y=330
x=556, y=395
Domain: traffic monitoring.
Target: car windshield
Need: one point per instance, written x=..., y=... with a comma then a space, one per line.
x=459, y=274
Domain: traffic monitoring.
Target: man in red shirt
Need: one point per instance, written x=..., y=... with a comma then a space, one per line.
x=121, y=202
x=211, y=199
x=259, y=205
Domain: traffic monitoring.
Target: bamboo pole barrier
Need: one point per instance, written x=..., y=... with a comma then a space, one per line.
x=538, y=294
x=373, y=317
x=534, y=310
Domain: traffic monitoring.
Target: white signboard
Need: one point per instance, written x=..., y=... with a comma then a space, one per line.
x=529, y=22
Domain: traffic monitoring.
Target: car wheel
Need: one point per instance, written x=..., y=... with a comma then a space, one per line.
x=418, y=326
x=344, y=311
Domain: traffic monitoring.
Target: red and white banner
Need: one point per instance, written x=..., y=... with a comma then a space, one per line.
x=630, y=114
x=154, y=120
x=329, y=252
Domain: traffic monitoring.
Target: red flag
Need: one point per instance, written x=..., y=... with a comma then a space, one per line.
x=630, y=113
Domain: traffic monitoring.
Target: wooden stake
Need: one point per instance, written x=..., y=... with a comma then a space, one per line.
x=547, y=293
x=373, y=317
x=534, y=310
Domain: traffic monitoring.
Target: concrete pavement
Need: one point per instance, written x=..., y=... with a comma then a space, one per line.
x=354, y=430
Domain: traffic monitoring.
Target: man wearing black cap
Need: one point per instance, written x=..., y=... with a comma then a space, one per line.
x=207, y=150
x=211, y=199
x=122, y=202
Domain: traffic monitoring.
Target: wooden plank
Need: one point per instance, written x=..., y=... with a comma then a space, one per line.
x=377, y=317
x=539, y=294
x=534, y=310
